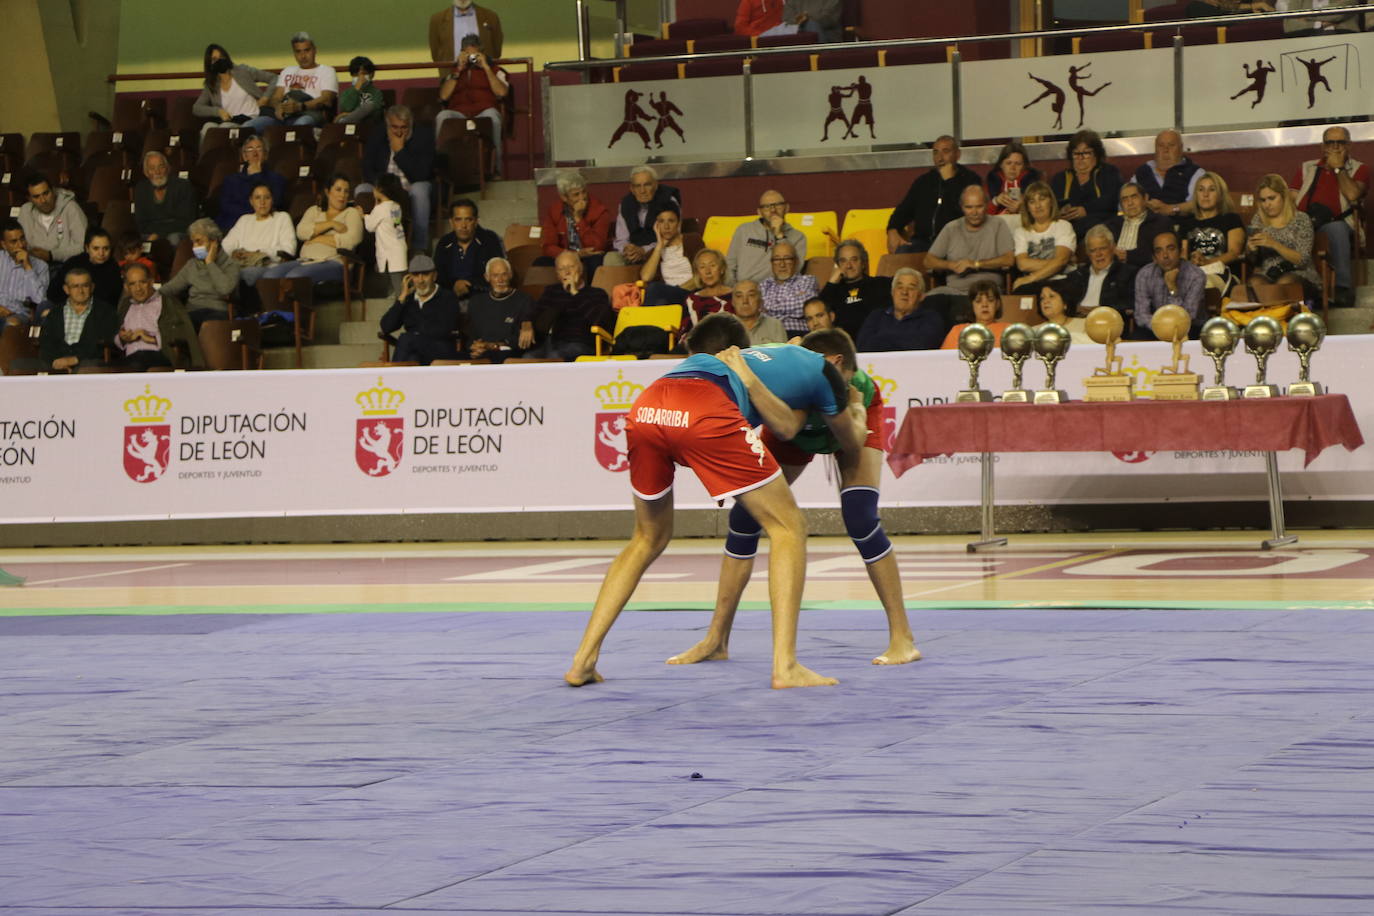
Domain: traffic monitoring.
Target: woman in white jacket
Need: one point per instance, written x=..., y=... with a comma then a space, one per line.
x=262, y=238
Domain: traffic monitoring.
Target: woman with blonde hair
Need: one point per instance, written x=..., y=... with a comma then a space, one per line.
x=1214, y=236
x=710, y=290
x=1280, y=243
x=1043, y=242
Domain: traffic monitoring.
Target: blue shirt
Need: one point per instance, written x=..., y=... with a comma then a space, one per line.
x=796, y=375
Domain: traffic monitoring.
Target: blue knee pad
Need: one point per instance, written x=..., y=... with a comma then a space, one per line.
x=859, y=508
x=742, y=542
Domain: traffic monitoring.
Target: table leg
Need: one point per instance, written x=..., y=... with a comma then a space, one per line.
x=1280, y=538
x=987, y=536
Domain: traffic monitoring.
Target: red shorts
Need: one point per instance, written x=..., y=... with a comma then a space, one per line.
x=787, y=453
x=690, y=421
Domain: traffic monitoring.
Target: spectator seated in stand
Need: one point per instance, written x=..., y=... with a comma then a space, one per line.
x=985, y=303
x=971, y=250
x=164, y=204
x=1203, y=9
x=576, y=307
x=1055, y=305
x=130, y=249
x=667, y=274
x=1170, y=280
x=332, y=224
x=152, y=329
x=426, y=314
x=818, y=315
x=305, y=92
x=1044, y=243
x=1214, y=236
x=634, y=223
x=208, y=280
x=500, y=317
x=1135, y=229
x=77, y=330
x=474, y=89
x=748, y=307
x=406, y=151
x=230, y=95
x=786, y=291
x=1104, y=280
x=749, y=255
x=1009, y=177
x=1280, y=246
x=261, y=239
x=1089, y=189
x=23, y=278
x=1169, y=179
x=1332, y=23
x=233, y=193
x=98, y=260
x=362, y=102
x=1331, y=191
x=819, y=16
x=54, y=224
x=462, y=255
x=931, y=201
x=576, y=222
x=713, y=292
x=755, y=17
x=850, y=292
x=904, y=326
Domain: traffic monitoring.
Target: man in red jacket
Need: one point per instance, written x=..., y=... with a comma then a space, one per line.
x=755, y=17
x=576, y=222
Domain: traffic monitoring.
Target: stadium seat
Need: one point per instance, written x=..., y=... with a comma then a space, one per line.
x=108, y=183
x=231, y=344
x=118, y=219
x=889, y=264
x=715, y=43
x=684, y=29
x=1017, y=308
x=848, y=59
x=659, y=48
x=539, y=275
x=647, y=70
x=785, y=41
x=1108, y=41
x=814, y=226
x=518, y=234
x=666, y=317
x=1261, y=30
x=521, y=259
x=820, y=268
x=138, y=113
x=730, y=66
x=918, y=54
x=869, y=227
x=42, y=142
x=423, y=101
x=608, y=277
x=784, y=63
x=181, y=117
x=720, y=229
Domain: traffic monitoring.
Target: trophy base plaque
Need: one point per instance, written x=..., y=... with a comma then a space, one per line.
x=1304, y=389
x=1109, y=388
x=1017, y=396
x=1176, y=386
x=970, y=396
x=1048, y=396
x=1261, y=391
x=1220, y=393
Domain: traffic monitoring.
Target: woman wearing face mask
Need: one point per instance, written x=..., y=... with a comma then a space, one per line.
x=363, y=101
x=230, y=94
x=205, y=282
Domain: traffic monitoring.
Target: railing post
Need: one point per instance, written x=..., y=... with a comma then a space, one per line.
x=957, y=128
x=748, y=72
x=622, y=27
x=584, y=37
x=1178, y=82
x=546, y=95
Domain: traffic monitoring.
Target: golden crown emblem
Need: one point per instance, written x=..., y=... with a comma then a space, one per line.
x=147, y=407
x=618, y=395
x=1143, y=375
x=886, y=386
x=380, y=401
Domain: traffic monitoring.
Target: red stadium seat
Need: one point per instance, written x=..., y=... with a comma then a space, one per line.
x=915, y=54
x=685, y=29
x=713, y=43
x=848, y=59
x=782, y=63
x=785, y=41
x=648, y=70
x=658, y=48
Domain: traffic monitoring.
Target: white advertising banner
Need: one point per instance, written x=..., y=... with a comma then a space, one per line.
x=852, y=109
x=1127, y=91
x=1261, y=82
x=541, y=437
x=621, y=123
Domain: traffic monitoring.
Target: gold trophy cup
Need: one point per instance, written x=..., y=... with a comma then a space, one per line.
x=1051, y=345
x=1173, y=383
x=1018, y=345
x=1305, y=335
x=1262, y=336
x=975, y=345
x=1219, y=337
x=1104, y=325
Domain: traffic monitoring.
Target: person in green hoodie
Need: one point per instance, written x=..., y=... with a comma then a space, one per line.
x=361, y=102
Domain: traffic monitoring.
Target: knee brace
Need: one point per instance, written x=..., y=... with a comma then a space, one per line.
x=742, y=541
x=859, y=508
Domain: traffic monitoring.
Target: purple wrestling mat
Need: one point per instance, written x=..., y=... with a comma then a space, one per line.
x=1038, y=761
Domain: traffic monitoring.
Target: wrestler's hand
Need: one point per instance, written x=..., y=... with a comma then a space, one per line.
x=733, y=358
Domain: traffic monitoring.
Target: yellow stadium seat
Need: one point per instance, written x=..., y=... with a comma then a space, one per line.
x=667, y=317
x=870, y=228
x=720, y=229
x=814, y=226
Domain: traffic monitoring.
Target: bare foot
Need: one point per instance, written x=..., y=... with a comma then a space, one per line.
x=582, y=675
x=899, y=652
x=708, y=650
x=798, y=675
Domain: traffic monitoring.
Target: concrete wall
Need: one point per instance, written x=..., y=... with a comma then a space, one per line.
x=54, y=57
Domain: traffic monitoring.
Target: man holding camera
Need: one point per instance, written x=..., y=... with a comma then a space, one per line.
x=448, y=27
x=474, y=89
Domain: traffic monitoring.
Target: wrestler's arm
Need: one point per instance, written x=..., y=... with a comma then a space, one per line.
x=850, y=425
x=784, y=421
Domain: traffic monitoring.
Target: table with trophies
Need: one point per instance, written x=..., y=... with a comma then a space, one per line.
x=1183, y=414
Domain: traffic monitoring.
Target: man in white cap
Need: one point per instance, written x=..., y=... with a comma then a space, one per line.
x=426, y=314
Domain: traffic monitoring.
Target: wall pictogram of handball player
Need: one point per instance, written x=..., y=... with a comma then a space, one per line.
x=634, y=114
x=1307, y=74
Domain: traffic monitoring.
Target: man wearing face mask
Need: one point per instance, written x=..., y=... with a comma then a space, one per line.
x=426, y=314
x=205, y=282
x=362, y=101
x=448, y=26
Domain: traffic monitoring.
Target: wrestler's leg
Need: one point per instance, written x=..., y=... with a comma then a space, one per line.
x=772, y=504
x=653, y=530
x=735, y=572
x=866, y=471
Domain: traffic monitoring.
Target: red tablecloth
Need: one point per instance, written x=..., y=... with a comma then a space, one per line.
x=1269, y=425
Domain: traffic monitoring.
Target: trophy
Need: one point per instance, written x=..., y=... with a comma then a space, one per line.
x=1262, y=336
x=1051, y=344
x=1219, y=336
x=1171, y=324
x=1018, y=345
x=1305, y=334
x=1104, y=325
x=975, y=345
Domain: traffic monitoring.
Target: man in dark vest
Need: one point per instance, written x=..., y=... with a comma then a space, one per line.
x=1168, y=179
x=634, y=224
